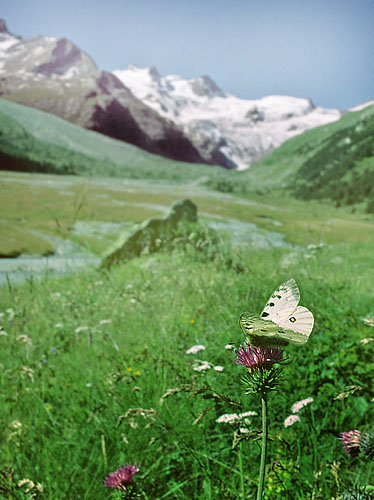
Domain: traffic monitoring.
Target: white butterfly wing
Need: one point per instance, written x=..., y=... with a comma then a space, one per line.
x=282, y=302
x=300, y=321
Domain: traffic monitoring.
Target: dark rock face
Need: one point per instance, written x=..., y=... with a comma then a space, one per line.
x=64, y=56
x=150, y=232
x=3, y=27
x=126, y=118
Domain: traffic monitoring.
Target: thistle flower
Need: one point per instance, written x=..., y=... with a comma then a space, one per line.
x=367, y=444
x=351, y=442
x=122, y=477
x=255, y=358
x=357, y=493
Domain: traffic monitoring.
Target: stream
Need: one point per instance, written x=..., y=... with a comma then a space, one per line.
x=70, y=257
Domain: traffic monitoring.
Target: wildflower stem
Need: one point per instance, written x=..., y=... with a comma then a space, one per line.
x=264, y=446
x=242, y=492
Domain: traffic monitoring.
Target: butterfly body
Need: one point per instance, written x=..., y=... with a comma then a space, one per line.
x=282, y=320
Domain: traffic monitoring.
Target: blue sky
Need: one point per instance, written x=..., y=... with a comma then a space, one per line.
x=322, y=49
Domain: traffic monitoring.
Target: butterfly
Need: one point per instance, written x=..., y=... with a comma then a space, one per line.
x=282, y=320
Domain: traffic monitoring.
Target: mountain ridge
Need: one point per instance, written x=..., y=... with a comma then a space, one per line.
x=56, y=76
x=186, y=120
x=245, y=130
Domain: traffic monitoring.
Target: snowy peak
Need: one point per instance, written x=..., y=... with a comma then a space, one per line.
x=6, y=39
x=205, y=86
x=236, y=132
x=43, y=56
x=63, y=58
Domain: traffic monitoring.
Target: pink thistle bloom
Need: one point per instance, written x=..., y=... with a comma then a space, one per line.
x=255, y=358
x=122, y=477
x=351, y=442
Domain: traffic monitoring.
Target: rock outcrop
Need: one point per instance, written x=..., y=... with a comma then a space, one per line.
x=148, y=236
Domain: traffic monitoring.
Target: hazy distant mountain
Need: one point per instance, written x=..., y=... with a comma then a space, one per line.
x=241, y=130
x=56, y=76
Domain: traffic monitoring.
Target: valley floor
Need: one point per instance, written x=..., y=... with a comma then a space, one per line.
x=94, y=365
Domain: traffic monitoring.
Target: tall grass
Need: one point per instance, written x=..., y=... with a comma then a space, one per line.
x=94, y=368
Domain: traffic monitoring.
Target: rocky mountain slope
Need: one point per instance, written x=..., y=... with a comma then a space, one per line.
x=222, y=125
x=54, y=75
x=190, y=120
x=35, y=141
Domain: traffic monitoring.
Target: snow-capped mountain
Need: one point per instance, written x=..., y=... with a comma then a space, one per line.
x=54, y=75
x=239, y=130
x=191, y=120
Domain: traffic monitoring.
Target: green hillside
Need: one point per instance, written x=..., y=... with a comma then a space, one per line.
x=334, y=161
x=32, y=140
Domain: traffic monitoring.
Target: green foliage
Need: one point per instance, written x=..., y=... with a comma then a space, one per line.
x=333, y=171
x=94, y=368
x=334, y=161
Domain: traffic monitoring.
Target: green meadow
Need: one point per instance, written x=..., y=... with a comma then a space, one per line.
x=94, y=368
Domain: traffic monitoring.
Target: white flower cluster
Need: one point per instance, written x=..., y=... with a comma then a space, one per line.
x=233, y=418
x=296, y=407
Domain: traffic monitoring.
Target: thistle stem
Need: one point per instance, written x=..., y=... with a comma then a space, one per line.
x=264, y=446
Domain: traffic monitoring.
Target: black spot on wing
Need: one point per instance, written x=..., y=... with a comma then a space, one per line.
x=264, y=314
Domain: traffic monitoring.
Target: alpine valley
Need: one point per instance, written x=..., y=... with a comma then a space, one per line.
x=189, y=120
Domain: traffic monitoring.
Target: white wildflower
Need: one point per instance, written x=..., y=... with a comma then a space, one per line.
x=232, y=418
x=296, y=407
x=15, y=425
x=227, y=418
x=229, y=346
x=27, y=372
x=11, y=313
x=81, y=329
x=363, y=341
x=218, y=368
x=195, y=348
x=369, y=320
x=201, y=366
x=249, y=413
x=30, y=485
x=25, y=339
x=292, y=419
